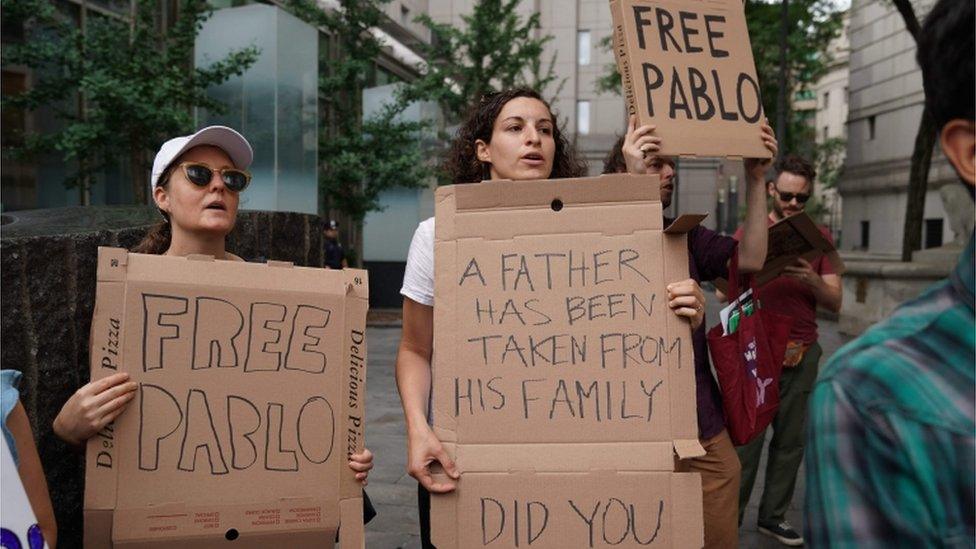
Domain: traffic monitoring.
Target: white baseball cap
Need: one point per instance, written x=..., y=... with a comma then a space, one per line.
x=227, y=139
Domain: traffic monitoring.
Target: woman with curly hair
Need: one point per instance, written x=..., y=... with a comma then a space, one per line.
x=529, y=145
x=508, y=135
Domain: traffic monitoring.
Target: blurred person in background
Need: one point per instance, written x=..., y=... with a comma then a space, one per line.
x=335, y=255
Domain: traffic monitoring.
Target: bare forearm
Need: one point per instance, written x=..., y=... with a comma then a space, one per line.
x=413, y=382
x=752, y=248
x=32, y=474
x=829, y=296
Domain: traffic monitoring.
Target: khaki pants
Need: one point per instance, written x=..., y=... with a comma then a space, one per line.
x=720, y=472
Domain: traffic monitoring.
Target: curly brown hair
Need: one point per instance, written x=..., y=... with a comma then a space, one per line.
x=462, y=164
x=614, y=162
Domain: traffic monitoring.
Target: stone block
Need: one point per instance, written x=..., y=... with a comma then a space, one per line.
x=15, y=321
x=874, y=289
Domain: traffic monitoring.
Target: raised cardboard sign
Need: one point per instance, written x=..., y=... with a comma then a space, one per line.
x=18, y=528
x=251, y=396
x=687, y=68
x=796, y=236
x=563, y=384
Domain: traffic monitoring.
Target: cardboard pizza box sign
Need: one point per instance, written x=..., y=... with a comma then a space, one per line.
x=563, y=385
x=796, y=236
x=251, y=395
x=687, y=68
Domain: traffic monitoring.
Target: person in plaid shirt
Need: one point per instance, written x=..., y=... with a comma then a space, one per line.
x=890, y=448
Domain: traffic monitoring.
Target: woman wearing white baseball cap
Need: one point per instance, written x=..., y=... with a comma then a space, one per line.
x=199, y=209
x=196, y=183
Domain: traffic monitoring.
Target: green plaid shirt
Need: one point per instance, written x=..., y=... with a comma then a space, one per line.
x=890, y=453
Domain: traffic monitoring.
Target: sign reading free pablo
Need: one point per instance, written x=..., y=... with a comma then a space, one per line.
x=687, y=68
x=250, y=399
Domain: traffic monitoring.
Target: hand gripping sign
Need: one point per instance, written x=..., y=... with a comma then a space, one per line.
x=687, y=68
x=251, y=393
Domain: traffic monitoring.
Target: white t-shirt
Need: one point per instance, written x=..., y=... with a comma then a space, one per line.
x=418, y=279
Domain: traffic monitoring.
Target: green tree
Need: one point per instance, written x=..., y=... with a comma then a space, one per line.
x=495, y=49
x=119, y=87
x=359, y=158
x=829, y=161
x=812, y=25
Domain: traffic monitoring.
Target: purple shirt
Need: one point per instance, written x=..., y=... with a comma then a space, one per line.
x=708, y=257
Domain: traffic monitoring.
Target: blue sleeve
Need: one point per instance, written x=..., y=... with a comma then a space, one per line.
x=9, y=395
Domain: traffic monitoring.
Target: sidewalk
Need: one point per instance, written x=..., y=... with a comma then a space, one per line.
x=395, y=493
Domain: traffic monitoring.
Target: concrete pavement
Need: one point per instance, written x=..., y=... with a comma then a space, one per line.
x=394, y=493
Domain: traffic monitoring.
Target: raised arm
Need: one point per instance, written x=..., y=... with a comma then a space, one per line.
x=32, y=474
x=752, y=247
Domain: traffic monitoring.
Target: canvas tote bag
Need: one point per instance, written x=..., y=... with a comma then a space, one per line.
x=749, y=362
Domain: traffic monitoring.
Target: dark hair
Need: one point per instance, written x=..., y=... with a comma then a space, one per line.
x=614, y=161
x=462, y=164
x=945, y=53
x=797, y=165
x=160, y=235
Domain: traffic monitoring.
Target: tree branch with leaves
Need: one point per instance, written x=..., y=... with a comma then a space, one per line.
x=918, y=174
x=495, y=49
x=359, y=158
x=134, y=80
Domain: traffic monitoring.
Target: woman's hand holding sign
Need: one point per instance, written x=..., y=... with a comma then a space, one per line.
x=423, y=448
x=94, y=406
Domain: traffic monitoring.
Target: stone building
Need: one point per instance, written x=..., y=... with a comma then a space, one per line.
x=885, y=105
x=830, y=121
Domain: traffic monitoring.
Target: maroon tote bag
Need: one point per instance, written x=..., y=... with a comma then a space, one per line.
x=749, y=363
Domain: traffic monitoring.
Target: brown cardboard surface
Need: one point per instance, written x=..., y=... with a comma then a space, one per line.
x=251, y=395
x=790, y=238
x=584, y=509
x=556, y=355
x=687, y=67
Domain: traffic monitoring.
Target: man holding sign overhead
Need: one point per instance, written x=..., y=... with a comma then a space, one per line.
x=689, y=79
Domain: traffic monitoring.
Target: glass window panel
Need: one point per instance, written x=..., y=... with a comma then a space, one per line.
x=583, y=47
x=274, y=104
x=583, y=117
